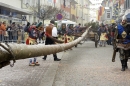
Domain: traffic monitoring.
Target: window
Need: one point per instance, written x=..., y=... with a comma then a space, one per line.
x=24, y=1
x=108, y=15
x=28, y=1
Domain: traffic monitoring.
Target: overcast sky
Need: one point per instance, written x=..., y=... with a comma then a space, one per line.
x=95, y=1
x=95, y=4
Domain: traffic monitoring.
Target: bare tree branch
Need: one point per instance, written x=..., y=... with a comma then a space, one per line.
x=46, y=11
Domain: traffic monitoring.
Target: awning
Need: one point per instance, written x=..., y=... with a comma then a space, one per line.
x=14, y=9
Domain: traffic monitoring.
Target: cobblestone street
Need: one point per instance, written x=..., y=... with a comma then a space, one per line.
x=82, y=66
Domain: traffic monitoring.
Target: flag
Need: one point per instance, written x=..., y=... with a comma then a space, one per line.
x=100, y=11
x=54, y=1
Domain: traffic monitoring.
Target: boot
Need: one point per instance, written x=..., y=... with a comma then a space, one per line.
x=126, y=60
x=123, y=65
x=44, y=58
x=55, y=58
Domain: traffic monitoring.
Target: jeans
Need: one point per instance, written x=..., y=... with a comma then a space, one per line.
x=32, y=60
x=14, y=38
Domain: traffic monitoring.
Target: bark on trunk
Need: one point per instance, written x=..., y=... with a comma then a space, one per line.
x=23, y=51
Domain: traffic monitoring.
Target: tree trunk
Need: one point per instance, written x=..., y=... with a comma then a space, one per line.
x=23, y=51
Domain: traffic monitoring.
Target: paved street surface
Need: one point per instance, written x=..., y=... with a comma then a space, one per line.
x=82, y=66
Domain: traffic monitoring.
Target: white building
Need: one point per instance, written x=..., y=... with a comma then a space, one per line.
x=11, y=11
x=83, y=11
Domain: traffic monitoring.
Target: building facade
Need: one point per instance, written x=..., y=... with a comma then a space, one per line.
x=114, y=9
x=82, y=11
x=10, y=12
x=20, y=10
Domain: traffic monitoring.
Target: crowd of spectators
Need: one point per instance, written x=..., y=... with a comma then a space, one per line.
x=14, y=33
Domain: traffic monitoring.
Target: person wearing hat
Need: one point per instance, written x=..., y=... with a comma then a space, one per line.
x=51, y=30
x=32, y=31
x=123, y=38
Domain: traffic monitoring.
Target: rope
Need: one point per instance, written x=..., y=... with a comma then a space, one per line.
x=10, y=52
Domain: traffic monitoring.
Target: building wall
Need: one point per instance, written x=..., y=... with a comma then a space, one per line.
x=101, y=12
x=127, y=4
x=66, y=8
x=19, y=4
x=122, y=2
x=73, y=12
x=31, y=3
x=82, y=13
x=15, y=3
x=116, y=13
x=79, y=11
x=85, y=11
x=15, y=17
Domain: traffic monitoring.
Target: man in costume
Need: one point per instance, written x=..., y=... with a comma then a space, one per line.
x=103, y=35
x=77, y=28
x=32, y=31
x=63, y=29
x=122, y=38
x=51, y=30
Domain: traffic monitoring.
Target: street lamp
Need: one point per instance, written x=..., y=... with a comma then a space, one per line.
x=39, y=10
x=10, y=18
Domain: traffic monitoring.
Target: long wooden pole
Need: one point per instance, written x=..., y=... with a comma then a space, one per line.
x=23, y=51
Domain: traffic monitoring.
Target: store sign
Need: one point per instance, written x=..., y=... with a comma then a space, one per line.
x=108, y=14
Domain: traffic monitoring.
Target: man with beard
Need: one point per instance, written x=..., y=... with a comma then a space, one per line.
x=123, y=39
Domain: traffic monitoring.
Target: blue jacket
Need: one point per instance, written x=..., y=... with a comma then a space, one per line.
x=120, y=29
x=31, y=30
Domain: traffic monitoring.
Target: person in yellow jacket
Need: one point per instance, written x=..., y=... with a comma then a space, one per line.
x=103, y=36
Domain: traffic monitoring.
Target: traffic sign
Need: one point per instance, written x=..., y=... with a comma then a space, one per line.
x=23, y=18
x=59, y=16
